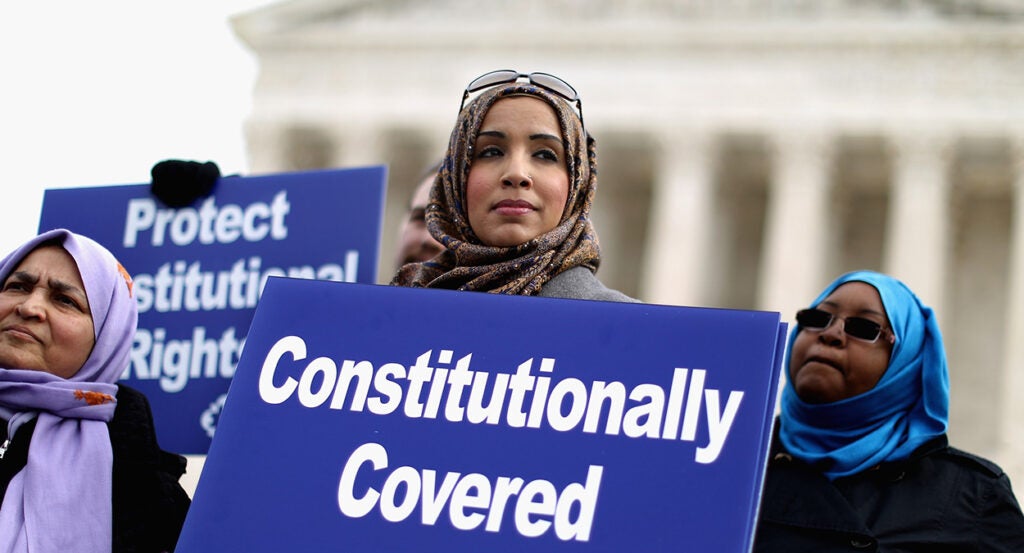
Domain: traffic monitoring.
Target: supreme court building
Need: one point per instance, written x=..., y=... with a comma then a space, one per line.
x=749, y=150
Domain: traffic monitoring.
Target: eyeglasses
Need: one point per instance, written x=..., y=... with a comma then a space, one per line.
x=854, y=327
x=546, y=81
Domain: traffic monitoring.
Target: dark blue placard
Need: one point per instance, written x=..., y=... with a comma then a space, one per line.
x=284, y=473
x=198, y=270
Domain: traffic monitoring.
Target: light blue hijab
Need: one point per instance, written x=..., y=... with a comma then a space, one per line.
x=908, y=406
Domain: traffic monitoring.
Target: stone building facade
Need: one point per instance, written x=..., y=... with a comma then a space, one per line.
x=750, y=150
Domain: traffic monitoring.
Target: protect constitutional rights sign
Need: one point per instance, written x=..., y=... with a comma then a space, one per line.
x=198, y=272
x=375, y=418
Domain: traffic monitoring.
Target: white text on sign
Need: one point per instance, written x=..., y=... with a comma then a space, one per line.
x=471, y=499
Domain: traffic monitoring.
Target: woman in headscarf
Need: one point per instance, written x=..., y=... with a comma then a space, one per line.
x=860, y=459
x=511, y=202
x=80, y=468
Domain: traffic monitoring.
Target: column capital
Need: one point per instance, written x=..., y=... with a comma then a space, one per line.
x=671, y=140
x=360, y=145
x=909, y=145
x=810, y=148
x=804, y=138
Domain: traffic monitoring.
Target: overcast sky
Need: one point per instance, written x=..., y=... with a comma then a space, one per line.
x=95, y=93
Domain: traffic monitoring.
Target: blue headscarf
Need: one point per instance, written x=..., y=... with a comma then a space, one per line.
x=908, y=406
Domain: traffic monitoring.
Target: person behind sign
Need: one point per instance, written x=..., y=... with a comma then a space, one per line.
x=80, y=468
x=860, y=458
x=511, y=202
x=415, y=244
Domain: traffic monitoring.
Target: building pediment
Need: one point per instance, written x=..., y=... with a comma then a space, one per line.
x=318, y=16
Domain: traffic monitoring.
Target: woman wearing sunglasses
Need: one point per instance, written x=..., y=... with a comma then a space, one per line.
x=511, y=202
x=860, y=459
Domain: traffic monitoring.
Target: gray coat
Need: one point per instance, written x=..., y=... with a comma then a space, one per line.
x=579, y=283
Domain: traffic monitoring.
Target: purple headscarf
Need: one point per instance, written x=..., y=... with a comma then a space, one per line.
x=61, y=500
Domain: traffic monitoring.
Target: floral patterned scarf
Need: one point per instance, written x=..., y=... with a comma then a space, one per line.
x=469, y=264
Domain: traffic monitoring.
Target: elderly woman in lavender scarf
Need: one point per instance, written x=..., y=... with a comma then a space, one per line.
x=80, y=468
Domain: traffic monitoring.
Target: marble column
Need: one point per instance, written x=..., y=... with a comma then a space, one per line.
x=679, y=227
x=360, y=146
x=919, y=230
x=1012, y=423
x=798, y=223
x=265, y=144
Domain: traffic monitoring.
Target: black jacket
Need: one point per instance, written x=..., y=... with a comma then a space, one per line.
x=149, y=504
x=940, y=500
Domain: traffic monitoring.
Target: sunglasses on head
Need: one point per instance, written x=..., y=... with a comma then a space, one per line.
x=854, y=327
x=546, y=81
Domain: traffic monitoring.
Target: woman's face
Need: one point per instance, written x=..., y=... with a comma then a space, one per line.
x=518, y=181
x=45, y=322
x=827, y=365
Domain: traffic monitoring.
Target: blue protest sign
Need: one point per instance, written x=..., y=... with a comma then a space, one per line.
x=198, y=272
x=374, y=418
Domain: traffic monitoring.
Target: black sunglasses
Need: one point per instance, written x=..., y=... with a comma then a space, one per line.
x=854, y=327
x=546, y=81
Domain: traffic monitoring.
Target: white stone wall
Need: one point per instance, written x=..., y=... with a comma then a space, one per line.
x=749, y=151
